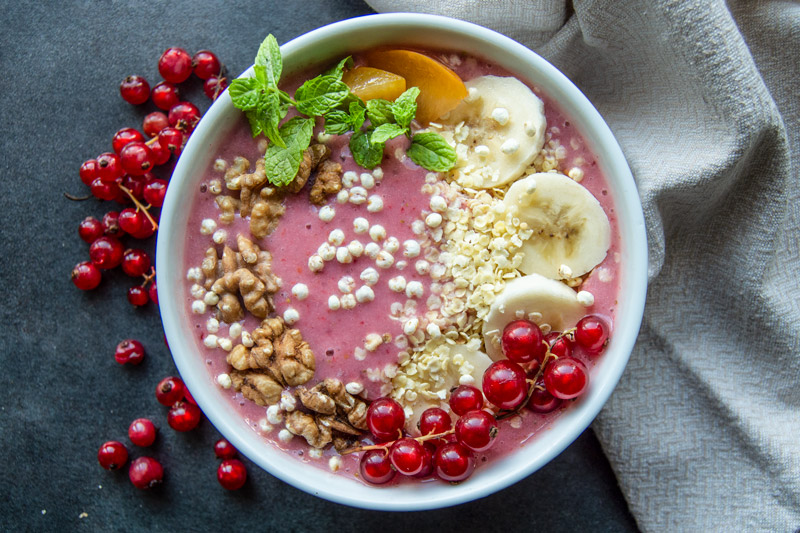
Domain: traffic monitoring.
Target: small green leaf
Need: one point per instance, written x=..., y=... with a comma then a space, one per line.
x=384, y=132
x=255, y=123
x=379, y=112
x=269, y=59
x=338, y=71
x=430, y=151
x=337, y=122
x=404, y=107
x=270, y=115
x=320, y=95
x=365, y=153
x=281, y=164
x=357, y=112
x=244, y=93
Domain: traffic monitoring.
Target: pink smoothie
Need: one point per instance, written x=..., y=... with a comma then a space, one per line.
x=335, y=335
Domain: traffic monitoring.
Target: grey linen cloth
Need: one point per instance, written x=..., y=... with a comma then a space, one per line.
x=703, y=430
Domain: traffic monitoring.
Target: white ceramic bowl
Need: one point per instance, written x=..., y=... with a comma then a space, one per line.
x=323, y=46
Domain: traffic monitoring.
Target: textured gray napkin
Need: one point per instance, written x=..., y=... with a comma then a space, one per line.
x=703, y=430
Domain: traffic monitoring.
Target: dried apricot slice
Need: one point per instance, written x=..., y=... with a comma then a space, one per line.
x=368, y=83
x=440, y=88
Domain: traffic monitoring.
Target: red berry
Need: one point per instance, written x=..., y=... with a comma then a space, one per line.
x=109, y=167
x=146, y=230
x=466, y=398
x=175, y=65
x=224, y=449
x=591, y=333
x=104, y=191
x=542, y=401
x=90, y=229
x=214, y=86
x=476, y=430
x=504, y=384
x=137, y=296
x=145, y=473
x=565, y=378
x=165, y=95
x=129, y=351
x=160, y=154
x=152, y=291
x=231, y=474
x=153, y=123
x=434, y=421
x=385, y=419
x=188, y=395
x=142, y=432
x=136, y=158
x=131, y=220
x=427, y=460
x=123, y=137
x=184, y=416
x=407, y=456
x=560, y=345
x=135, y=262
x=171, y=139
x=111, y=224
x=184, y=115
x=170, y=390
x=134, y=90
x=523, y=342
x=155, y=191
x=106, y=252
x=112, y=455
x=453, y=462
x=88, y=171
x=135, y=184
x=375, y=467
x=205, y=64
x=85, y=276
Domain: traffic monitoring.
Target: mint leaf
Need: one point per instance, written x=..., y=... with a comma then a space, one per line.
x=255, y=122
x=320, y=95
x=430, y=151
x=379, y=111
x=338, y=71
x=269, y=114
x=357, y=111
x=337, y=122
x=269, y=64
x=384, y=132
x=365, y=153
x=281, y=164
x=244, y=93
x=405, y=107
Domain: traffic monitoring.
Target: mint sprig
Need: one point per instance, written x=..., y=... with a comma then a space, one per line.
x=327, y=96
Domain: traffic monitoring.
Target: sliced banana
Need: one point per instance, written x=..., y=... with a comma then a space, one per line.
x=497, y=130
x=533, y=297
x=454, y=364
x=571, y=232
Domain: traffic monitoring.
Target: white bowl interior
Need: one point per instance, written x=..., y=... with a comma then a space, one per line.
x=325, y=45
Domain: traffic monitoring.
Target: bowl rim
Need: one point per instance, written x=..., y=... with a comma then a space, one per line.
x=571, y=423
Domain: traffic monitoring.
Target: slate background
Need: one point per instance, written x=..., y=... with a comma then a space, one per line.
x=63, y=394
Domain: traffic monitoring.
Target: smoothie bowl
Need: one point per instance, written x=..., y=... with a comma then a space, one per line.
x=421, y=278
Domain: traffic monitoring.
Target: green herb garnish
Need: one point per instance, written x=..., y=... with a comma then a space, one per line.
x=327, y=96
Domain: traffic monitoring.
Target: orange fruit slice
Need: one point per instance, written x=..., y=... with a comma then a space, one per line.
x=368, y=83
x=440, y=88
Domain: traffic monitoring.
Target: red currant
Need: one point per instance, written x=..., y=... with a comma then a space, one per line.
x=232, y=474
x=465, y=398
x=171, y=139
x=175, y=65
x=476, y=430
x=135, y=184
x=427, y=460
x=434, y=421
x=523, y=342
x=224, y=449
x=104, y=191
x=137, y=296
x=153, y=123
x=136, y=158
x=205, y=64
x=86, y=276
x=129, y=351
x=560, y=345
x=90, y=229
x=407, y=456
x=155, y=191
x=188, y=395
x=591, y=333
x=123, y=137
x=184, y=115
x=106, y=252
x=165, y=95
x=131, y=220
x=504, y=384
x=109, y=167
x=111, y=224
x=385, y=419
x=112, y=455
x=152, y=291
x=376, y=467
x=170, y=390
x=160, y=154
x=135, y=262
x=145, y=473
x=453, y=462
x=542, y=401
x=146, y=231
x=184, y=416
x=142, y=432
x=214, y=86
x=134, y=90
x=88, y=171
x=565, y=378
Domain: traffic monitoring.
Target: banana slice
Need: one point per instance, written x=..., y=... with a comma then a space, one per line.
x=497, y=130
x=536, y=298
x=570, y=228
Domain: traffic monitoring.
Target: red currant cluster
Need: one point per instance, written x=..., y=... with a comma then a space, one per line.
x=231, y=473
x=126, y=174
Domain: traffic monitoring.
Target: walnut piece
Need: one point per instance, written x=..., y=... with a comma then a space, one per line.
x=233, y=174
x=313, y=156
x=306, y=426
x=249, y=287
x=266, y=212
x=329, y=181
x=335, y=407
x=227, y=206
x=257, y=387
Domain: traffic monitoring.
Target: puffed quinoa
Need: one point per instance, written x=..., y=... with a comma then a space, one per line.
x=438, y=204
x=274, y=415
x=422, y=267
x=433, y=220
x=354, y=387
x=264, y=426
x=360, y=225
x=377, y=173
x=220, y=236
x=194, y=274
x=334, y=463
x=355, y=248
x=384, y=259
x=500, y=115
x=343, y=255
x=348, y=301
x=234, y=330
x=411, y=248
x=585, y=298
x=375, y=204
x=391, y=245
x=198, y=307
x=333, y=302
x=291, y=316
x=418, y=227
x=336, y=237
x=342, y=196
x=372, y=341
x=211, y=299
x=349, y=179
x=358, y=195
x=369, y=276
x=414, y=289
x=397, y=284
x=346, y=284
x=212, y=325
x=285, y=435
x=372, y=249
x=367, y=180
x=224, y=381
x=197, y=291
x=326, y=251
x=327, y=213
x=377, y=232
x=225, y=343
x=315, y=263
x=210, y=341
x=208, y=226
x=300, y=291
x=364, y=294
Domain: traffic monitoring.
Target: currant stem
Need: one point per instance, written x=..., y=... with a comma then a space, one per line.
x=387, y=445
x=139, y=205
x=77, y=198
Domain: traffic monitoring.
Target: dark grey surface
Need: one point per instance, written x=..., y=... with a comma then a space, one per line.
x=63, y=394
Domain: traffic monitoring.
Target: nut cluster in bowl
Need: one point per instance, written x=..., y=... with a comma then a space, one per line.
x=454, y=329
